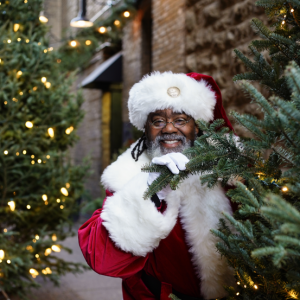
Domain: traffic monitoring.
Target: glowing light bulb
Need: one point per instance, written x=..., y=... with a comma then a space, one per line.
x=54, y=237
x=285, y=189
x=11, y=205
x=126, y=14
x=27, y=41
x=117, y=22
x=8, y=41
x=58, y=200
x=43, y=79
x=29, y=124
x=73, y=43
x=48, y=270
x=88, y=42
x=48, y=156
x=69, y=130
x=33, y=272
x=102, y=29
x=292, y=10
x=5, y=230
x=48, y=251
x=283, y=22
x=8, y=261
x=237, y=293
x=17, y=153
x=68, y=185
x=43, y=19
x=2, y=254
x=55, y=248
x=19, y=39
x=47, y=85
x=19, y=73
x=51, y=132
x=39, y=161
x=28, y=206
x=37, y=237
x=64, y=191
x=255, y=286
x=45, y=197
x=61, y=207
x=24, y=152
x=37, y=256
x=45, y=50
x=5, y=152
x=16, y=27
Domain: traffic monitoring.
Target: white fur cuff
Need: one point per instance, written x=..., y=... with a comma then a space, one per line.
x=133, y=223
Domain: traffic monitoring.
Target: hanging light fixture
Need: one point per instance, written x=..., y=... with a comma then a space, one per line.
x=81, y=20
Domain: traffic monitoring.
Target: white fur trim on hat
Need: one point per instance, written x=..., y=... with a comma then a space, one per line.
x=151, y=93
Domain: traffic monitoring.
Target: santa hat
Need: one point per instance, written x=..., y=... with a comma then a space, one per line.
x=194, y=94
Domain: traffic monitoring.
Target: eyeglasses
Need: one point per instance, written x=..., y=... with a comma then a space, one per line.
x=178, y=123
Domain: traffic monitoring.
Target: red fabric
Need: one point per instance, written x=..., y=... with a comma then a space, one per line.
x=219, y=112
x=170, y=262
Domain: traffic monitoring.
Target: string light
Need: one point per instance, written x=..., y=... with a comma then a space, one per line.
x=39, y=161
x=17, y=153
x=15, y=99
x=283, y=22
x=32, y=156
x=54, y=237
x=117, y=22
x=292, y=10
x=102, y=29
x=28, y=206
x=88, y=42
x=37, y=237
x=5, y=102
x=73, y=43
x=61, y=207
x=237, y=293
x=5, y=152
x=45, y=50
x=58, y=200
x=285, y=189
x=34, y=240
x=64, y=191
x=8, y=41
x=33, y=272
x=48, y=156
x=47, y=85
x=55, y=248
x=238, y=283
x=16, y=27
x=58, y=61
x=19, y=73
x=29, y=124
x=29, y=248
x=8, y=261
x=67, y=185
x=37, y=256
x=46, y=202
x=45, y=197
x=32, y=162
x=51, y=132
x=11, y=205
x=21, y=93
x=255, y=286
x=24, y=152
x=47, y=271
x=27, y=41
x=48, y=251
x=126, y=14
x=2, y=254
x=50, y=49
x=19, y=39
x=5, y=230
x=69, y=130
x=43, y=79
x=43, y=19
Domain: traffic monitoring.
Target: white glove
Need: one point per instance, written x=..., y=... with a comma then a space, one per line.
x=175, y=162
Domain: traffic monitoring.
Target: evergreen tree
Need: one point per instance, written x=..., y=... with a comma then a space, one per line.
x=262, y=240
x=38, y=117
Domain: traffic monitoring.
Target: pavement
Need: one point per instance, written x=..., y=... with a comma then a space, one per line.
x=86, y=286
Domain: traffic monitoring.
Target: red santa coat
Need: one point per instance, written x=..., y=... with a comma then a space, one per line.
x=173, y=244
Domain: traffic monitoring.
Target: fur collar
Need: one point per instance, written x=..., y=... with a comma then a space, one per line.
x=137, y=227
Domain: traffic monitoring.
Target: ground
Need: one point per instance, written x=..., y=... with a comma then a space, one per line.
x=86, y=286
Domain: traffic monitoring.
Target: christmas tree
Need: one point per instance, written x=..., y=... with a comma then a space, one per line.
x=262, y=240
x=38, y=118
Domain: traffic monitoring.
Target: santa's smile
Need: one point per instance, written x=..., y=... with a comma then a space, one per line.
x=170, y=143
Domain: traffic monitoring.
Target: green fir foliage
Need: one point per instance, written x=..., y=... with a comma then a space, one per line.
x=261, y=241
x=34, y=213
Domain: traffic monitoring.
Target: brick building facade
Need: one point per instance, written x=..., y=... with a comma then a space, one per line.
x=177, y=35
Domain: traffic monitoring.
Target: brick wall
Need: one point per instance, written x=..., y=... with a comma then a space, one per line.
x=213, y=30
x=168, y=35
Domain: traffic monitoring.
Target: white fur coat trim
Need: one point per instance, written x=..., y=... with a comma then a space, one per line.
x=151, y=93
x=136, y=226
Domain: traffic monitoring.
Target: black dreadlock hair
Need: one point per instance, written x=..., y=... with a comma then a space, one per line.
x=140, y=147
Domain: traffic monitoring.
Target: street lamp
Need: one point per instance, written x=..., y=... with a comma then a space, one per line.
x=81, y=21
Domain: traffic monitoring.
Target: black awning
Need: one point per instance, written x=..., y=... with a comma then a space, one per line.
x=110, y=71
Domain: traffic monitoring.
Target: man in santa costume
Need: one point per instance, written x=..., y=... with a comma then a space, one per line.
x=163, y=245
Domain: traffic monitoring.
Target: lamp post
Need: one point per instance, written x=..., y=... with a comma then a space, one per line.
x=81, y=21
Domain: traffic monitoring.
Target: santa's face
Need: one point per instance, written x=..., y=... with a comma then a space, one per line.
x=165, y=139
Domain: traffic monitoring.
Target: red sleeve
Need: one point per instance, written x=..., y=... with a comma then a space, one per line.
x=101, y=253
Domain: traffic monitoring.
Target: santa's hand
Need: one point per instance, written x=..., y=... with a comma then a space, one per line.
x=174, y=161
x=162, y=194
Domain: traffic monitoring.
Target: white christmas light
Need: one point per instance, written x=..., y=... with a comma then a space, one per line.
x=102, y=29
x=2, y=254
x=45, y=197
x=126, y=14
x=73, y=43
x=48, y=251
x=64, y=191
x=43, y=79
x=29, y=124
x=51, y=132
x=5, y=152
x=16, y=27
x=11, y=205
x=55, y=248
